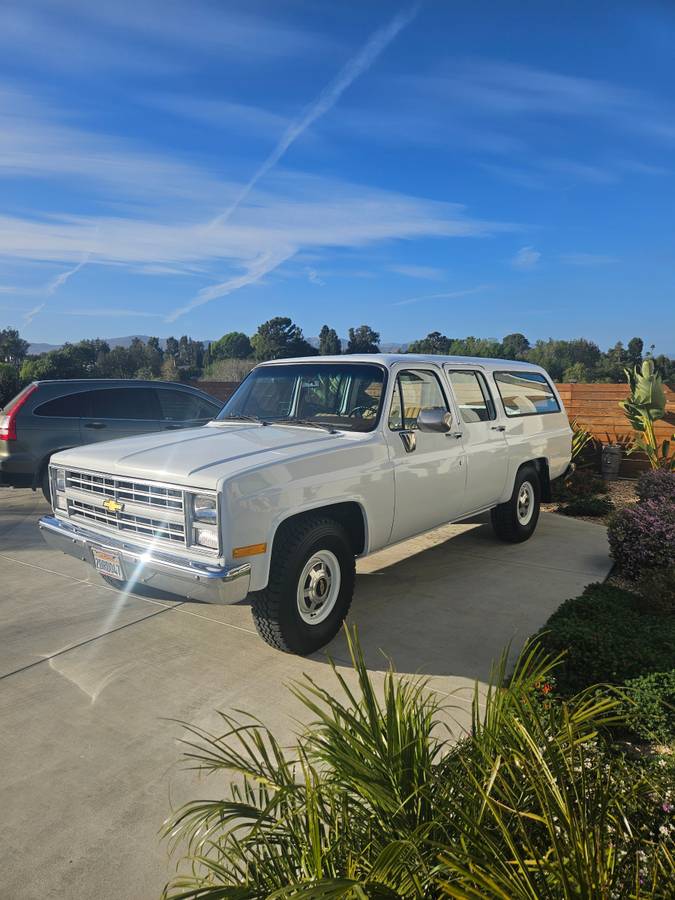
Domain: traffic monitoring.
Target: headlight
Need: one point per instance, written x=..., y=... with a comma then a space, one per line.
x=59, y=482
x=204, y=509
x=206, y=537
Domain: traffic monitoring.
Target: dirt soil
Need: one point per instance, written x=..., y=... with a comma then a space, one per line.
x=621, y=492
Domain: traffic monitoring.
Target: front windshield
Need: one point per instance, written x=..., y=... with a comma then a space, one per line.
x=339, y=395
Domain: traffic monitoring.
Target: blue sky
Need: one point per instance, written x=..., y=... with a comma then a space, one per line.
x=473, y=168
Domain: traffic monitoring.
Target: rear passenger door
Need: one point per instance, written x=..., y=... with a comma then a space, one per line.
x=484, y=437
x=182, y=409
x=120, y=412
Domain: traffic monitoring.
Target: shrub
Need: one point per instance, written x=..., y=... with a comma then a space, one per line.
x=588, y=506
x=374, y=800
x=607, y=638
x=642, y=537
x=657, y=590
x=651, y=712
x=657, y=484
x=581, y=483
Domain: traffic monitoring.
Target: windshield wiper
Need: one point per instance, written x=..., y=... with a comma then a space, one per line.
x=293, y=420
x=243, y=418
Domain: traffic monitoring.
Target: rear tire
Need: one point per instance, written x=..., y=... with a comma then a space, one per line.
x=310, y=586
x=516, y=520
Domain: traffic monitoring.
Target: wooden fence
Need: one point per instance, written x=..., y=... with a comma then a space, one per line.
x=595, y=406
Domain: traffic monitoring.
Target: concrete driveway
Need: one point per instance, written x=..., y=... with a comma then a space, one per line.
x=89, y=764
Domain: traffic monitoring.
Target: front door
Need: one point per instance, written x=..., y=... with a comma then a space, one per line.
x=487, y=455
x=429, y=468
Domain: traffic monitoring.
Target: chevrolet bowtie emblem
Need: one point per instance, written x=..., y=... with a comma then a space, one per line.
x=113, y=506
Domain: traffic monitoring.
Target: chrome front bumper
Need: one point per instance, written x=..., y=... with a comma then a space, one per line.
x=140, y=565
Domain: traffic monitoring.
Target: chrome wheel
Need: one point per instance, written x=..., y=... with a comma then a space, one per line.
x=526, y=502
x=318, y=587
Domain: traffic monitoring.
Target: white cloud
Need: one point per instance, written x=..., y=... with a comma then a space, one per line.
x=588, y=259
x=313, y=277
x=429, y=273
x=327, y=99
x=526, y=258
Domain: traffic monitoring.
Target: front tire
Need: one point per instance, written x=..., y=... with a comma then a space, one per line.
x=516, y=520
x=310, y=587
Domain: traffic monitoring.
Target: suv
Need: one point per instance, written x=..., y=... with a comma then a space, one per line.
x=310, y=464
x=47, y=416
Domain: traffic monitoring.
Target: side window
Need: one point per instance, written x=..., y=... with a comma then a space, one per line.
x=182, y=405
x=71, y=406
x=416, y=390
x=473, y=397
x=124, y=403
x=526, y=393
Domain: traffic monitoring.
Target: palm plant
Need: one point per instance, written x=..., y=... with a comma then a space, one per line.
x=646, y=405
x=376, y=801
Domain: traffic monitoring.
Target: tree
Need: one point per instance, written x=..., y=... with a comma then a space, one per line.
x=515, y=346
x=280, y=338
x=577, y=372
x=635, y=348
x=233, y=345
x=171, y=348
x=557, y=356
x=473, y=346
x=363, y=340
x=13, y=348
x=434, y=342
x=9, y=382
x=329, y=342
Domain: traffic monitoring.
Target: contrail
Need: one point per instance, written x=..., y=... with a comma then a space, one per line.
x=53, y=286
x=326, y=100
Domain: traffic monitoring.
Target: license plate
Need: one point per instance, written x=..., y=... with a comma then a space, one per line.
x=108, y=564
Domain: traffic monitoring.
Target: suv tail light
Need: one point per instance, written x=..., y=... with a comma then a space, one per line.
x=8, y=419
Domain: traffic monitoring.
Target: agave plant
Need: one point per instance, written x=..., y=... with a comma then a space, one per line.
x=646, y=405
x=581, y=438
x=376, y=801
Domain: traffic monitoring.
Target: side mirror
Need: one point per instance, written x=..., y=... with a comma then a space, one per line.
x=435, y=419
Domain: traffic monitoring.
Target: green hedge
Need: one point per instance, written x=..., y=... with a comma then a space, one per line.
x=608, y=638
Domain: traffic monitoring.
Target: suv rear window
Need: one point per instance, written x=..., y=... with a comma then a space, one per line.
x=182, y=405
x=124, y=403
x=70, y=406
x=526, y=394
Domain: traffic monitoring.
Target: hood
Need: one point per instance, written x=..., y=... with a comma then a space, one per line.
x=197, y=457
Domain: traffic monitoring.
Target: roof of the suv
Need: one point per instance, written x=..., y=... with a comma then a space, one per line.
x=390, y=359
x=116, y=382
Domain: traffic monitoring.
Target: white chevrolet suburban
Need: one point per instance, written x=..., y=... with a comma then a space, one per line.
x=312, y=463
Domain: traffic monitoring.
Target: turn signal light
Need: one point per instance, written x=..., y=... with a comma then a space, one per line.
x=250, y=550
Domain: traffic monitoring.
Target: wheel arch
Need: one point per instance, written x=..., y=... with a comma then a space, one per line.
x=349, y=513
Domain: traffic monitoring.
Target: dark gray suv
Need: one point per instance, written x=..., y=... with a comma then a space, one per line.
x=47, y=416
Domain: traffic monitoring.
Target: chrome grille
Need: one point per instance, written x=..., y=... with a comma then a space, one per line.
x=154, y=495
x=150, y=511
x=127, y=522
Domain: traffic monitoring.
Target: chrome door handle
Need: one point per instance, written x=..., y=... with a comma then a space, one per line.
x=455, y=434
x=498, y=427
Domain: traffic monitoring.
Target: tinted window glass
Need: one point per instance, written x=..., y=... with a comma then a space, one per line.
x=473, y=397
x=418, y=390
x=343, y=395
x=526, y=393
x=181, y=405
x=70, y=406
x=124, y=403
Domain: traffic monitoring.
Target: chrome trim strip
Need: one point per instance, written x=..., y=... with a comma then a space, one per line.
x=155, y=568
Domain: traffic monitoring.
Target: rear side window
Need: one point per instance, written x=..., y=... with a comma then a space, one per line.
x=526, y=393
x=181, y=405
x=70, y=406
x=473, y=397
x=124, y=403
